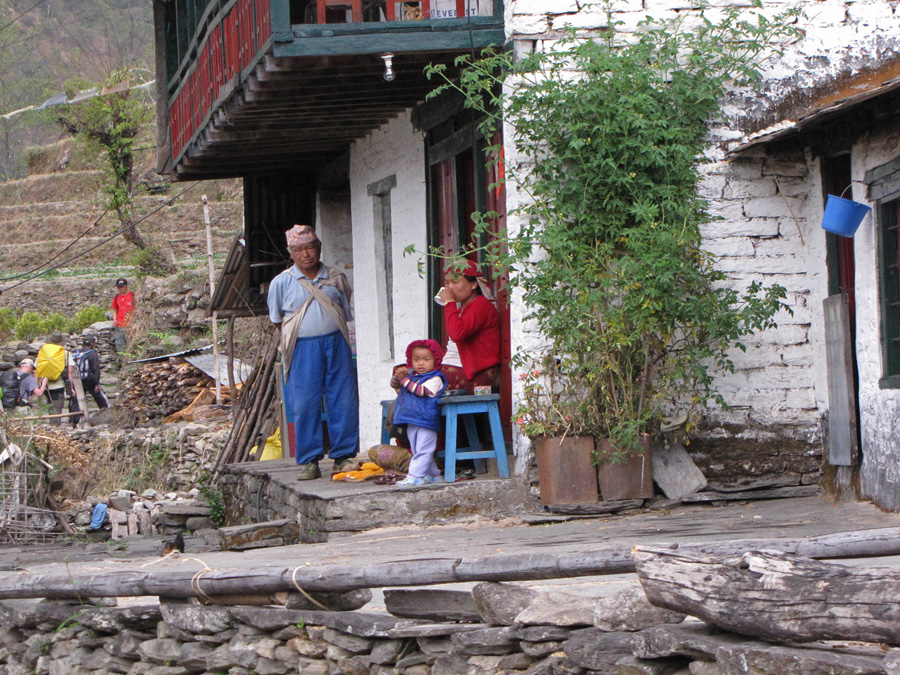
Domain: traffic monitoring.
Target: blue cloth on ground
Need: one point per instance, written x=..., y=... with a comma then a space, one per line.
x=98, y=516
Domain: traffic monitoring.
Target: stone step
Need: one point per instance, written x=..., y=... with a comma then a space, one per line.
x=325, y=509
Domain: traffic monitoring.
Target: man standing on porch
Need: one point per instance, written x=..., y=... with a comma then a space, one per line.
x=310, y=304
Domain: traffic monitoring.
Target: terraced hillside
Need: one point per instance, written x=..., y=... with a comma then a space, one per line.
x=53, y=214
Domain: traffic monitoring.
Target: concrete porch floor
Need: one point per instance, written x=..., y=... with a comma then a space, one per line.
x=263, y=491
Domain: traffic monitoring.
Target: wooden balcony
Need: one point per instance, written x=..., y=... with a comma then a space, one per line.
x=253, y=86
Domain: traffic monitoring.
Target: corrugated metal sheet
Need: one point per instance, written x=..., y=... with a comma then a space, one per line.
x=207, y=363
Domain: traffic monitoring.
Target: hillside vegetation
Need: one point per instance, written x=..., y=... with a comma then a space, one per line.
x=45, y=44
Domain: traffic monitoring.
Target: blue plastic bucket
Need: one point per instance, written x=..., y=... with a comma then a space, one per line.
x=843, y=216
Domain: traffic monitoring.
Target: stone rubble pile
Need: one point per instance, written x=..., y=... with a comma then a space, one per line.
x=129, y=514
x=189, y=450
x=496, y=629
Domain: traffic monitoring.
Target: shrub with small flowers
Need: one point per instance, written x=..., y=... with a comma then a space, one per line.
x=549, y=404
x=608, y=256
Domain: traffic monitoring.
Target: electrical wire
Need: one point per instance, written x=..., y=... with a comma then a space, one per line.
x=71, y=244
x=10, y=23
x=105, y=241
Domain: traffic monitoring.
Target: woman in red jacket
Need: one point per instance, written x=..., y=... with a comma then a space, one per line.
x=474, y=326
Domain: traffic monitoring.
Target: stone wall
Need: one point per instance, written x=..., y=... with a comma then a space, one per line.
x=496, y=629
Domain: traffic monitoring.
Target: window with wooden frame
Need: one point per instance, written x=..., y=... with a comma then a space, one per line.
x=889, y=281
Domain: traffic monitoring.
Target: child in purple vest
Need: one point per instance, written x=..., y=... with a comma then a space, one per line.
x=417, y=408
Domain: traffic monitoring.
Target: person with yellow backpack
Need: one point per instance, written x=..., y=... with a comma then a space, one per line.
x=53, y=363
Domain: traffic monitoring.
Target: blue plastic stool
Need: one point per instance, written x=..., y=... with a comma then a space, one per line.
x=454, y=407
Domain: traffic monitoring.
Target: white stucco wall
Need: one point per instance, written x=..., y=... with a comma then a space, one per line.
x=879, y=408
x=395, y=149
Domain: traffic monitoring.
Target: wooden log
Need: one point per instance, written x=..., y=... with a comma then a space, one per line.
x=336, y=576
x=185, y=583
x=774, y=595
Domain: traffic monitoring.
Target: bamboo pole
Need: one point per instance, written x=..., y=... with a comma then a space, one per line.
x=212, y=292
x=229, y=349
x=46, y=417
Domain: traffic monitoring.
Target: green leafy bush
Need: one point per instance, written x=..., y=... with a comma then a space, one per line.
x=151, y=261
x=55, y=323
x=29, y=326
x=32, y=324
x=7, y=322
x=87, y=316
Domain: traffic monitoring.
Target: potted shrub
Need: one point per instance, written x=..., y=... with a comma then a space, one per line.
x=608, y=257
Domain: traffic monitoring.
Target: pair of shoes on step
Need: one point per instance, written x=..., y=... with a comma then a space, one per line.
x=425, y=480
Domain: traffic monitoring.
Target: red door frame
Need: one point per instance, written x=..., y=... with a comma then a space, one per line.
x=454, y=188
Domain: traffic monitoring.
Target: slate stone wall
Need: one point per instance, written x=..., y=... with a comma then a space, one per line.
x=515, y=631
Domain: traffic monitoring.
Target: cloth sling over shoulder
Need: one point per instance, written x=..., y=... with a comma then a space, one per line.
x=291, y=324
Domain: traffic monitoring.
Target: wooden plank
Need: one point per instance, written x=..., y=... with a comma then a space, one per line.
x=771, y=493
x=75, y=378
x=843, y=434
x=398, y=43
x=775, y=596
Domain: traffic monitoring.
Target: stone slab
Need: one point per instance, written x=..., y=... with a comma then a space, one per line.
x=432, y=604
x=766, y=658
x=433, y=629
x=675, y=472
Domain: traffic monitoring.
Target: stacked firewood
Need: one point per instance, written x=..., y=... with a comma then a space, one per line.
x=258, y=413
x=161, y=388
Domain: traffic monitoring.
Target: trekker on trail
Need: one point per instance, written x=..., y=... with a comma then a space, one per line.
x=53, y=363
x=310, y=304
x=19, y=385
x=122, y=306
x=87, y=364
x=417, y=408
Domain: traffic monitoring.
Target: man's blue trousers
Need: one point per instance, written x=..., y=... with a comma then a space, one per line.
x=323, y=365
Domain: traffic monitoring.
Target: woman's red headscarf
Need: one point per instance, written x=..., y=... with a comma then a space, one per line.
x=436, y=351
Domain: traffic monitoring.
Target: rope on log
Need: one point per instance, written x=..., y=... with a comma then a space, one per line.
x=336, y=576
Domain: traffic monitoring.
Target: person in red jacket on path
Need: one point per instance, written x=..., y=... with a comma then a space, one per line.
x=473, y=326
x=122, y=306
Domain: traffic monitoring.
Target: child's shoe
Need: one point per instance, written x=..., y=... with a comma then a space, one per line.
x=410, y=481
x=430, y=480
